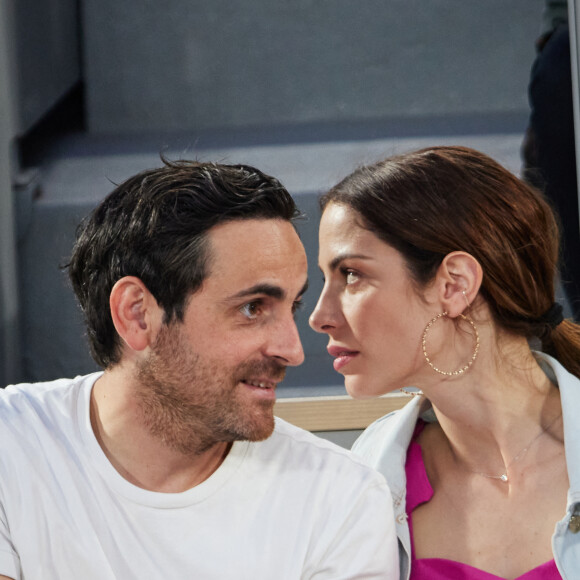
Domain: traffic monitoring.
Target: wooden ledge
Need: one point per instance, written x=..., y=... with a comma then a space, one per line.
x=337, y=413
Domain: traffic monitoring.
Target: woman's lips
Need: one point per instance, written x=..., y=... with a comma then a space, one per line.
x=342, y=356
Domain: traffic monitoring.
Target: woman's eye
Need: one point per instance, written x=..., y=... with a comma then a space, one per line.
x=351, y=277
x=251, y=310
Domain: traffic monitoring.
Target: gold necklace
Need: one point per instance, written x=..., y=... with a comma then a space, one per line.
x=504, y=478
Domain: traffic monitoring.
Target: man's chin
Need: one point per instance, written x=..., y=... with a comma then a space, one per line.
x=258, y=428
x=261, y=431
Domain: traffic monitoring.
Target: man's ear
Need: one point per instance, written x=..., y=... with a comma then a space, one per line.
x=457, y=282
x=135, y=312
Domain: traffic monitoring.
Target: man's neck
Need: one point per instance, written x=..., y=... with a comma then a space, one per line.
x=143, y=459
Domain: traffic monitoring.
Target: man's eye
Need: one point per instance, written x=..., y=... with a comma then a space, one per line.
x=251, y=310
x=297, y=305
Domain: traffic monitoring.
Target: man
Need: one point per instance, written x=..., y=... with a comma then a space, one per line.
x=170, y=464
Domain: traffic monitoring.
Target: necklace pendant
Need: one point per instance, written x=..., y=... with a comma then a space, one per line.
x=504, y=477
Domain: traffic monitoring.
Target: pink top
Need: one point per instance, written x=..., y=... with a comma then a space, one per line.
x=419, y=491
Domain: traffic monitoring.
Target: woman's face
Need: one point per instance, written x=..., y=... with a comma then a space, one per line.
x=369, y=307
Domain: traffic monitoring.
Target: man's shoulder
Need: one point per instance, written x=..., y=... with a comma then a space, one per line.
x=21, y=402
x=302, y=437
x=309, y=449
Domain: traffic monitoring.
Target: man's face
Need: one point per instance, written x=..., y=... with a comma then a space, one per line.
x=213, y=377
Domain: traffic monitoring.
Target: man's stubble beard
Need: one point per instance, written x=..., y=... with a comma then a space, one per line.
x=191, y=404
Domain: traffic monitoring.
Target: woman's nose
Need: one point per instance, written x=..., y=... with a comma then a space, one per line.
x=322, y=318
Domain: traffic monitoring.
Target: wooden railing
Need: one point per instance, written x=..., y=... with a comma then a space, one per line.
x=337, y=413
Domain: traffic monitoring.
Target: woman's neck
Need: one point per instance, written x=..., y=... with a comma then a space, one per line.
x=493, y=412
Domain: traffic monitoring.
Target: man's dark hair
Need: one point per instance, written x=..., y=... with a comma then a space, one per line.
x=154, y=226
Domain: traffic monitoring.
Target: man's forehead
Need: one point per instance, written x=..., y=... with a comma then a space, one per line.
x=253, y=238
x=255, y=251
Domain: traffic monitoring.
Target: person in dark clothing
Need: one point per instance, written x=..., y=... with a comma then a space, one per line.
x=549, y=147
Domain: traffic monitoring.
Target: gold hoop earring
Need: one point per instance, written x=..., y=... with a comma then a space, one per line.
x=473, y=356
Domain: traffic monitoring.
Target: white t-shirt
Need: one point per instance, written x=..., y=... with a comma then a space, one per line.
x=293, y=506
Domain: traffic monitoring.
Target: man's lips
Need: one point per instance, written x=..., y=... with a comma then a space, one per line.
x=261, y=383
x=342, y=356
x=262, y=388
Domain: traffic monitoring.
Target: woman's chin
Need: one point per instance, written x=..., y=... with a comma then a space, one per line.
x=360, y=387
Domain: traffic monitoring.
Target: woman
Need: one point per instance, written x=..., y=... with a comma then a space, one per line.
x=439, y=269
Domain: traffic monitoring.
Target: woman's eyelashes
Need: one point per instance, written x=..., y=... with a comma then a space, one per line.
x=351, y=276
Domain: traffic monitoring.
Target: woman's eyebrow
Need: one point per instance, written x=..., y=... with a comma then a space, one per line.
x=338, y=259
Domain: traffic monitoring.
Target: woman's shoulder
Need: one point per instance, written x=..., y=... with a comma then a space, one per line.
x=390, y=435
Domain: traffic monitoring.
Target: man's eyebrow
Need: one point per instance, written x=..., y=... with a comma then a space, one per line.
x=267, y=289
x=338, y=259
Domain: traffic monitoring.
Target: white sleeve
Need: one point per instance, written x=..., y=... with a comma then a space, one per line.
x=365, y=544
x=9, y=560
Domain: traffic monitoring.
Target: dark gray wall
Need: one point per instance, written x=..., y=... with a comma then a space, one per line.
x=198, y=66
x=9, y=308
x=39, y=64
x=178, y=65
x=47, y=55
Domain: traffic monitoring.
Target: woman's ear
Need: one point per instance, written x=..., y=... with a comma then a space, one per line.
x=135, y=312
x=458, y=281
